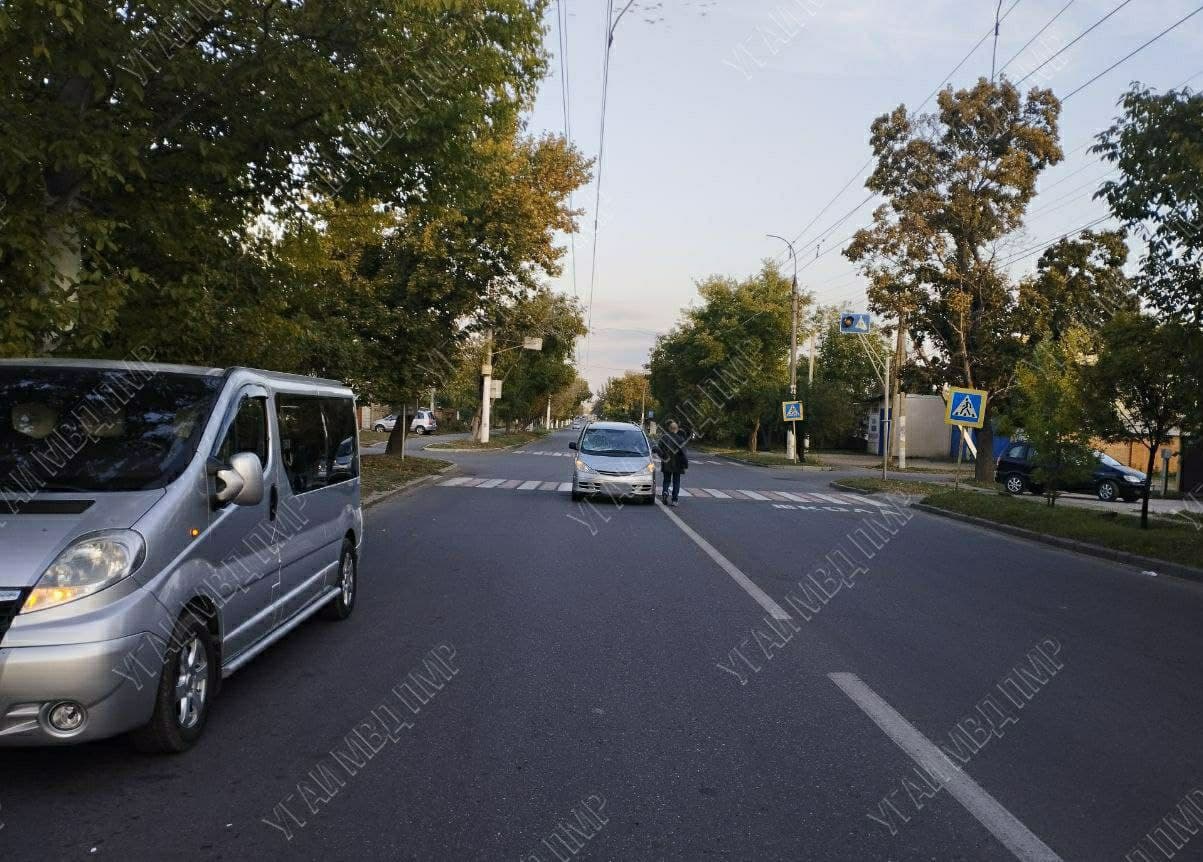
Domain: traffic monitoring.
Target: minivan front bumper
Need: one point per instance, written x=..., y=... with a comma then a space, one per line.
x=115, y=681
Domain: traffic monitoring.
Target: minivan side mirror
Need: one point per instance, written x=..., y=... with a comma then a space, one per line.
x=242, y=481
x=572, y=445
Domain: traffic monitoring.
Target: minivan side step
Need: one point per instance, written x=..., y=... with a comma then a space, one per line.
x=305, y=613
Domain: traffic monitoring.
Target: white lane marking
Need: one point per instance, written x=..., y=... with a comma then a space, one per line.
x=549, y=486
x=510, y=483
x=827, y=498
x=565, y=486
x=729, y=567
x=753, y=495
x=1001, y=823
x=700, y=493
x=718, y=494
x=451, y=483
x=529, y=486
x=491, y=483
x=797, y=498
x=685, y=493
x=472, y=483
x=870, y=501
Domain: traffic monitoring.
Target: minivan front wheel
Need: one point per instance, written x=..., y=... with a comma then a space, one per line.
x=348, y=585
x=186, y=687
x=1107, y=491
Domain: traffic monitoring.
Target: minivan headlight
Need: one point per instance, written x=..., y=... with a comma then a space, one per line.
x=1135, y=480
x=583, y=467
x=87, y=566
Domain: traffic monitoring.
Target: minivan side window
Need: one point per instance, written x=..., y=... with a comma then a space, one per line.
x=1016, y=451
x=248, y=431
x=341, y=451
x=317, y=440
x=302, y=441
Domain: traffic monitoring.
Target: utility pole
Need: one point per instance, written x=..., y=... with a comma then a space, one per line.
x=899, y=395
x=884, y=437
x=486, y=405
x=810, y=380
x=548, y=422
x=791, y=444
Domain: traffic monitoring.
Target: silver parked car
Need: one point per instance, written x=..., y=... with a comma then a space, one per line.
x=161, y=526
x=615, y=459
x=424, y=422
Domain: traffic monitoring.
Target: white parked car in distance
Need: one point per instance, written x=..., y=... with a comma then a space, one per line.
x=387, y=424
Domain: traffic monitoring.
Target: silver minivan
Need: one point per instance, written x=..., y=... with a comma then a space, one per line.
x=160, y=526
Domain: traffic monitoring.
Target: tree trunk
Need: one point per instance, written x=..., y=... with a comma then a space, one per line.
x=983, y=469
x=752, y=437
x=1144, y=497
x=396, y=437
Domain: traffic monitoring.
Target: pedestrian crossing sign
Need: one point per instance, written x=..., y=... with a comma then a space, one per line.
x=791, y=411
x=966, y=407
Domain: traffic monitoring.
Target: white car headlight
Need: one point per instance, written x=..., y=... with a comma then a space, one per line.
x=87, y=566
x=651, y=466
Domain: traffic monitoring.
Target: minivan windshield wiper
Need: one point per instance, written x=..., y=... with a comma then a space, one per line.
x=628, y=452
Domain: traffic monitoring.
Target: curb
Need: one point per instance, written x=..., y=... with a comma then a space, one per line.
x=411, y=485
x=428, y=446
x=809, y=468
x=1146, y=563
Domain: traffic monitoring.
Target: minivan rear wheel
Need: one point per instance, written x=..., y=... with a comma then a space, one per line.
x=348, y=585
x=186, y=687
x=379, y=429
x=1015, y=484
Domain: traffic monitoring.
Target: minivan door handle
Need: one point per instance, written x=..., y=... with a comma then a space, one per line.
x=273, y=504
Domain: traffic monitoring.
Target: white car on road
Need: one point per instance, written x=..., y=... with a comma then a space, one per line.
x=615, y=459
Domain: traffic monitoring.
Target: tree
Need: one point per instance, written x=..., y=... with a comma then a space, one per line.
x=845, y=379
x=566, y=404
x=141, y=142
x=722, y=370
x=1079, y=283
x=1050, y=408
x=1157, y=144
x=625, y=398
x=1141, y=387
x=531, y=377
x=956, y=183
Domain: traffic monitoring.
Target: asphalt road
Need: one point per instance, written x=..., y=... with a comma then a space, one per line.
x=590, y=664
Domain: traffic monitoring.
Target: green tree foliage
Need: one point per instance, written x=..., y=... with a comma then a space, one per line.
x=1079, y=283
x=622, y=399
x=845, y=380
x=1142, y=387
x=1157, y=143
x=531, y=377
x=142, y=144
x=567, y=403
x=1049, y=406
x=723, y=370
x=956, y=182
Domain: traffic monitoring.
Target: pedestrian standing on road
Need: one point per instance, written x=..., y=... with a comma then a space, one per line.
x=673, y=461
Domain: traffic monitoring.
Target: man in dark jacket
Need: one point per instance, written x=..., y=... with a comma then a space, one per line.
x=673, y=461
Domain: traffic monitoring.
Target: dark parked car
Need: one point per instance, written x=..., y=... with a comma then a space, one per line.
x=1110, y=481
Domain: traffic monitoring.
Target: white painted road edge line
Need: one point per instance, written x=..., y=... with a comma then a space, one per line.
x=729, y=567
x=988, y=811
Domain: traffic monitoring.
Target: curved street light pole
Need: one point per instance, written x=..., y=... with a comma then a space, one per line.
x=791, y=445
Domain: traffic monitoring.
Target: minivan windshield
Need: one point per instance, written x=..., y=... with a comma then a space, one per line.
x=628, y=442
x=1108, y=460
x=98, y=429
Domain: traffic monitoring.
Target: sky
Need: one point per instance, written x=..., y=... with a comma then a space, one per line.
x=727, y=120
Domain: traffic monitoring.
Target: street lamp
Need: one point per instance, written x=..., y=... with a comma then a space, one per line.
x=486, y=372
x=791, y=444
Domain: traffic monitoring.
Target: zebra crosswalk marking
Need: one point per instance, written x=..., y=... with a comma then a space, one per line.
x=835, y=502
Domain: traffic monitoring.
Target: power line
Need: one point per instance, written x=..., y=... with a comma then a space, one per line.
x=1075, y=41
x=1129, y=56
x=611, y=23
x=566, y=99
x=947, y=78
x=1031, y=250
x=1039, y=33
